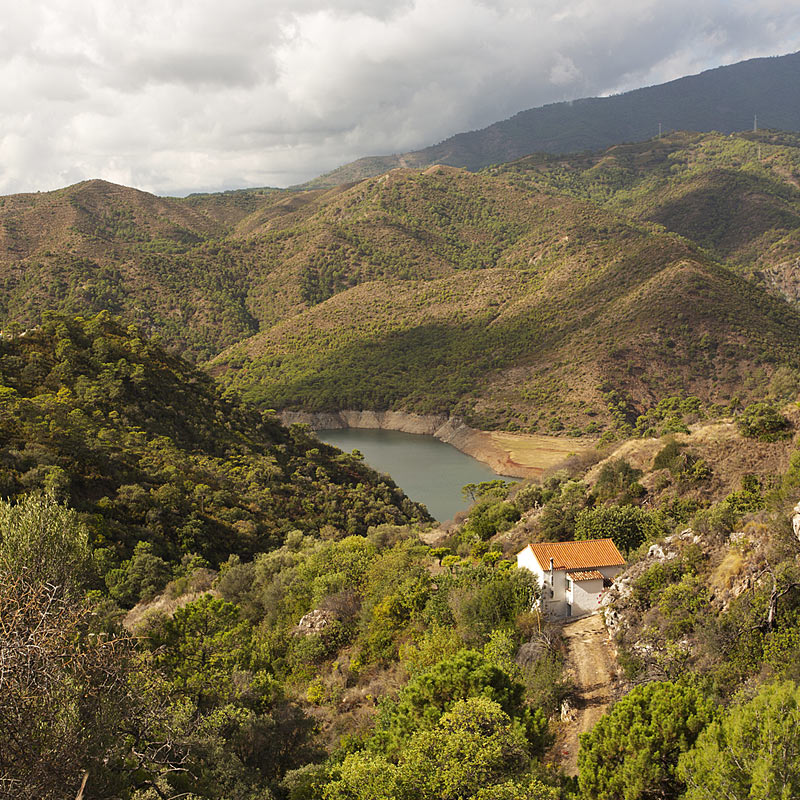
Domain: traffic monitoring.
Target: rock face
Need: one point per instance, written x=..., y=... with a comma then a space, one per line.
x=381, y=420
x=613, y=604
x=796, y=521
x=314, y=622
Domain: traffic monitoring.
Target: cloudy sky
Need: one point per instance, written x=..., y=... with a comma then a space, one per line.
x=174, y=96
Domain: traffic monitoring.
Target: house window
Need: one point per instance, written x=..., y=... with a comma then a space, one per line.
x=569, y=584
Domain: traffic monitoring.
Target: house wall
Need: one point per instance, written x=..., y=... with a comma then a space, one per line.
x=584, y=596
x=557, y=605
x=554, y=604
x=610, y=572
x=526, y=559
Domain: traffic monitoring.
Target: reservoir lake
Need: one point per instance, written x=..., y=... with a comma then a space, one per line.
x=428, y=471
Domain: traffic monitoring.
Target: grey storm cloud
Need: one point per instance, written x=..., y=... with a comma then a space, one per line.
x=182, y=95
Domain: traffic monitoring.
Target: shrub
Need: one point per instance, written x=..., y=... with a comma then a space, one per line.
x=628, y=526
x=764, y=422
x=141, y=577
x=482, y=599
x=668, y=455
x=434, y=691
x=559, y=515
x=753, y=751
x=618, y=480
x=682, y=465
x=489, y=517
x=531, y=496
x=633, y=751
x=681, y=603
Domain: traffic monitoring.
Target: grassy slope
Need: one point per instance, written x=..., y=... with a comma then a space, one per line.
x=576, y=299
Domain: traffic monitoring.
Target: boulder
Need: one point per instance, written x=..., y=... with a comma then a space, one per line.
x=314, y=622
x=796, y=521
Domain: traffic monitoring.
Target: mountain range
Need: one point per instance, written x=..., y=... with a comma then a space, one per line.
x=523, y=296
x=724, y=99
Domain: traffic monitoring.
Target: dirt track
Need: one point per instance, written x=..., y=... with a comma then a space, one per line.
x=591, y=665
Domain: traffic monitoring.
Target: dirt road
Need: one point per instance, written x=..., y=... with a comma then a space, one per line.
x=591, y=665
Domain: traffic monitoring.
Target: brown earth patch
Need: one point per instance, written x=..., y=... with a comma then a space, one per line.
x=720, y=444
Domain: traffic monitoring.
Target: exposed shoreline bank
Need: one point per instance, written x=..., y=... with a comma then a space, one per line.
x=517, y=455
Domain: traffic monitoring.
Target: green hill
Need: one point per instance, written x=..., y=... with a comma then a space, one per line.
x=723, y=99
x=529, y=309
x=544, y=295
x=142, y=443
x=737, y=196
x=96, y=246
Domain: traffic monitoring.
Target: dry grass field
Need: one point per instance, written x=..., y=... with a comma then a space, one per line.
x=539, y=453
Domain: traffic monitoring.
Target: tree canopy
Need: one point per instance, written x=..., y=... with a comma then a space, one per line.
x=632, y=753
x=752, y=751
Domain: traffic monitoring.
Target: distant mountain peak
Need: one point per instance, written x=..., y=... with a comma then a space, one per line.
x=723, y=99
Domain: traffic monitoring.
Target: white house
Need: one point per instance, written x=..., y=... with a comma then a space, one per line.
x=573, y=575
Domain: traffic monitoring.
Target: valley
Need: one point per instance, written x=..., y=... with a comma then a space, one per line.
x=261, y=616
x=432, y=472
x=517, y=455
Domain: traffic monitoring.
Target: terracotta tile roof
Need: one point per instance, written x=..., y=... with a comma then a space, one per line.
x=586, y=575
x=587, y=554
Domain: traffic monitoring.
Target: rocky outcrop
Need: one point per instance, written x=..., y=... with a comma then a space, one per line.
x=314, y=622
x=381, y=420
x=615, y=604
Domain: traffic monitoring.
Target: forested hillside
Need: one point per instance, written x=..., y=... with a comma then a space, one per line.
x=142, y=444
x=280, y=589
x=548, y=309
x=547, y=295
x=96, y=246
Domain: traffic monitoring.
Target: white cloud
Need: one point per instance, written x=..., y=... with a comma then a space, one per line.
x=176, y=95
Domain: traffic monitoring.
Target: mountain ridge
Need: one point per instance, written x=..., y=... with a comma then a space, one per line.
x=724, y=98
x=519, y=297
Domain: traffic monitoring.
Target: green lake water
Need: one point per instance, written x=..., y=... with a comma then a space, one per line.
x=429, y=471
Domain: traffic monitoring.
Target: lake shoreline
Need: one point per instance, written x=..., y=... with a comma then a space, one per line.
x=517, y=455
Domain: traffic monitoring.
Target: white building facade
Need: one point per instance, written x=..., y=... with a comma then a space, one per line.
x=572, y=575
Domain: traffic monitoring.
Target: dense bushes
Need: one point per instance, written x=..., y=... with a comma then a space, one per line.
x=628, y=526
x=488, y=517
x=751, y=752
x=633, y=751
x=214, y=695
x=142, y=443
x=469, y=754
x=764, y=422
